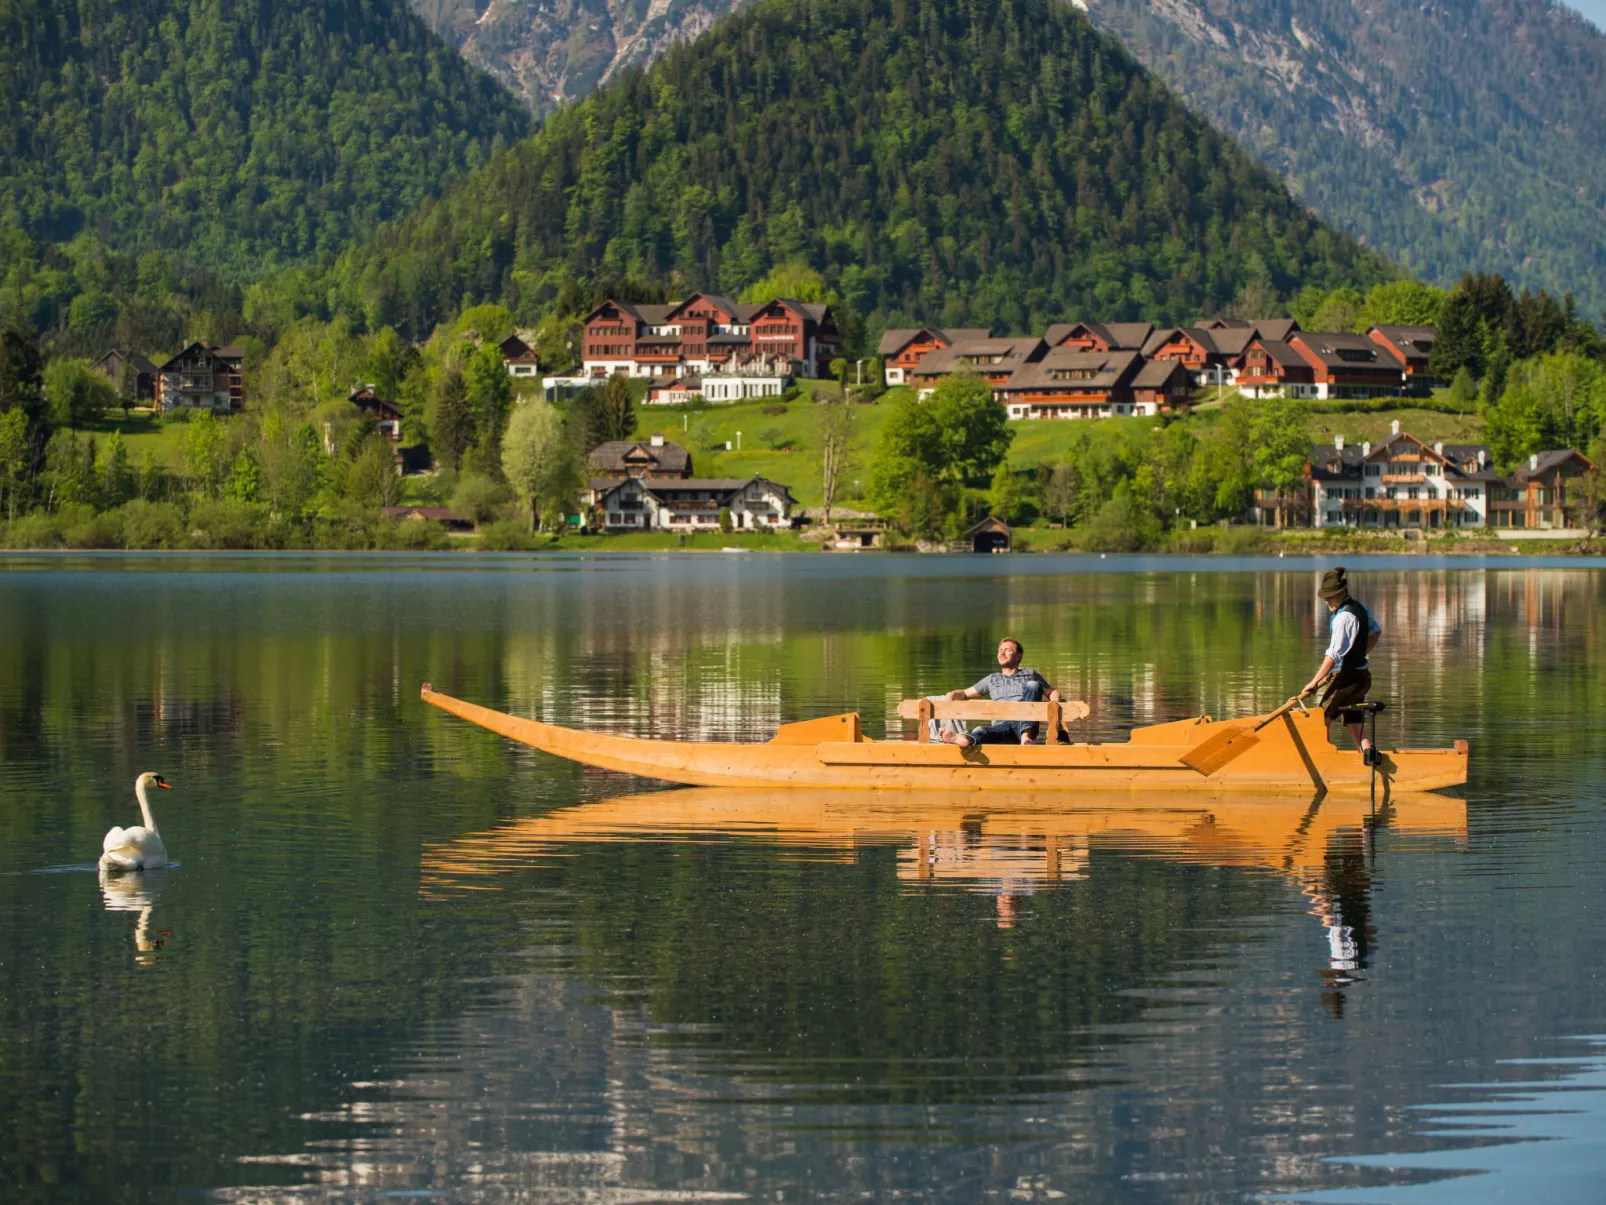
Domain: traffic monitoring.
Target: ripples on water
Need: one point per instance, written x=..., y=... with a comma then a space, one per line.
x=399, y=958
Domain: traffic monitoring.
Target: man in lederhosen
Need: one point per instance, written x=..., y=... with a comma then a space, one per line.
x=1354, y=635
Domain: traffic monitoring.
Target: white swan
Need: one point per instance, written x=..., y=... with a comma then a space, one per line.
x=140, y=847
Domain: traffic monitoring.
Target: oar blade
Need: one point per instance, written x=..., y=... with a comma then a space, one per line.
x=1210, y=754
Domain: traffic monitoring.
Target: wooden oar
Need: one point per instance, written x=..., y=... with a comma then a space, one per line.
x=1210, y=754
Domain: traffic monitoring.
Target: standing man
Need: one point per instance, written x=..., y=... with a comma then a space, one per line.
x=1354, y=635
x=1011, y=684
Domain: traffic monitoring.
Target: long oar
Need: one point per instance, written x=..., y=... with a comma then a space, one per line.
x=1210, y=754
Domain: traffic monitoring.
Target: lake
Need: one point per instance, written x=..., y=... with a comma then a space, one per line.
x=398, y=957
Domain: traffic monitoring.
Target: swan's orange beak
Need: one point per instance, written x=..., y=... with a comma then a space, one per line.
x=163, y=783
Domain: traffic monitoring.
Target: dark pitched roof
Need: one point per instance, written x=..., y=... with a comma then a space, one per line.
x=1110, y=368
x=1161, y=336
x=1275, y=328
x=140, y=362
x=1328, y=463
x=1543, y=462
x=1015, y=352
x=1128, y=336
x=1231, y=341
x=1283, y=353
x=612, y=455
x=709, y=485
x=1157, y=374
x=1343, y=349
x=957, y=334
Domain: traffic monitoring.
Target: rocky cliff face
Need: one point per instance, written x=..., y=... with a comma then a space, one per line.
x=1451, y=135
x=552, y=51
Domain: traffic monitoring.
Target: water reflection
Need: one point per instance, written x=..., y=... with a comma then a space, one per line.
x=137, y=891
x=978, y=842
x=1524, y=1140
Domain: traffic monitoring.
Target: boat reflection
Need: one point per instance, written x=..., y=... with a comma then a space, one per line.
x=971, y=840
x=136, y=892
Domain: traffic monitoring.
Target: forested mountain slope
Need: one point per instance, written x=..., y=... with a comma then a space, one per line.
x=996, y=163
x=1453, y=136
x=1460, y=135
x=244, y=133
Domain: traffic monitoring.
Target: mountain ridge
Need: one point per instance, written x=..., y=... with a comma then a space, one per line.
x=1005, y=165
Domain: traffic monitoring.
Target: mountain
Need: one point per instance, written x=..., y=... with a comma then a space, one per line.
x=553, y=51
x=1451, y=136
x=245, y=133
x=996, y=163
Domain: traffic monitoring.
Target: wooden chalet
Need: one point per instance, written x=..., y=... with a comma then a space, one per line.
x=902, y=349
x=1346, y=365
x=1098, y=336
x=706, y=334
x=1070, y=383
x=687, y=503
x=1401, y=483
x=1410, y=347
x=622, y=458
x=111, y=366
x=519, y=357
x=443, y=515
x=386, y=415
x=1543, y=493
x=1160, y=387
x=994, y=360
x=1196, y=349
x=1272, y=368
x=202, y=377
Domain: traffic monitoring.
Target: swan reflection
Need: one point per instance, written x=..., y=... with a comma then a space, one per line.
x=136, y=893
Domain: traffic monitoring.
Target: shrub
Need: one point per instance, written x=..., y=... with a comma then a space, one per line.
x=37, y=530
x=509, y=535
x=773, y=408
x=226, y=524
x=414, y=535
x=151, y=524
x=82, y=528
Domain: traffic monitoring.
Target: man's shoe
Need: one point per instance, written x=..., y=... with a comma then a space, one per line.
x=1372, y=757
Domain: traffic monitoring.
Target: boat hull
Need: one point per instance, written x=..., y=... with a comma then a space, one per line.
x=1293, y=753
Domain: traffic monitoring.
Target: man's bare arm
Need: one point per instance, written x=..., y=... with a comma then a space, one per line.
x=970, y=692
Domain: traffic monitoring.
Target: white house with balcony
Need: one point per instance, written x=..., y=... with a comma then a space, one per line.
x=688, y=503
x=1401, y=483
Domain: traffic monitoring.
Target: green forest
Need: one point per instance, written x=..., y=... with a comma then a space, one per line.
x=243, y=135
x=999, y=164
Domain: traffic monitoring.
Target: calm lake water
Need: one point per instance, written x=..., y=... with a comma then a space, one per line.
x=398, y=957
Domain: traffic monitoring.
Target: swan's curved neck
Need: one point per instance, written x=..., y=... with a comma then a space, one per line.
x=144, y=805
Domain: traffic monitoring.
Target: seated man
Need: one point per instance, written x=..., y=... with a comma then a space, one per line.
x=1011, y=684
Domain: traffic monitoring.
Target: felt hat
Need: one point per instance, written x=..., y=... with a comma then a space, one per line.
x=1334, y=584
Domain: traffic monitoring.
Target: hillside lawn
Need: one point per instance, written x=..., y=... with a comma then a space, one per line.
x=785, y=447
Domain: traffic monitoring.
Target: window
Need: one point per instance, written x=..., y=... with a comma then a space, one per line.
x=1374, y=470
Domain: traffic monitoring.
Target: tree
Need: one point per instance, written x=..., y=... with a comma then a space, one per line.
x=245, y=479
x=539, y=462
x=795, y=281
x=451, y=425
x=1463, y=390
x=973, y=432
x=478, y=498
x=21, y=370
x=127, y=386
x=613, y=410
x=1458, y=339
x=1400, y=303
x=1554, y=401
x=1279, y=448
x=14, y=456
x=1059, y=491
x=836, y=440
x=489, y=393
x=1006, y=496
x=370, y=475
x=202, y=452
x=75, y=393
x=116, y=471
x=1339, y=312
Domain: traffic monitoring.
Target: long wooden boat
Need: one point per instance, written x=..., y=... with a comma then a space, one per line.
x=955, y=837
x=1293, y=752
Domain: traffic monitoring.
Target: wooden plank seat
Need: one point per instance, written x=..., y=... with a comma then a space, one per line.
x=1054, y=715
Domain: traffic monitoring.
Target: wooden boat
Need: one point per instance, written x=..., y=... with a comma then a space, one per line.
x=1292, y=751
x=958, y=837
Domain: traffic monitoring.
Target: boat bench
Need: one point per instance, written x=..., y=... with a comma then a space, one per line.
x=1054, y=715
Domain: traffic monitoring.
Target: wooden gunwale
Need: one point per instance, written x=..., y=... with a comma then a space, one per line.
x=1296, y=755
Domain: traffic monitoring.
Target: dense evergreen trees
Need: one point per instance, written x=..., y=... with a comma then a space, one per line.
x=246, y=134
x=998, y=163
